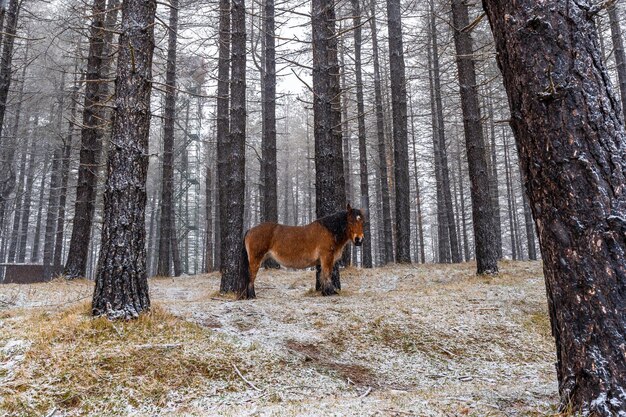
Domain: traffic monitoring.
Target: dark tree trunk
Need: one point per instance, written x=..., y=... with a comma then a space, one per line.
x=618, y=51
x=232, y=233
x=400, y=135
x=28, y=193
x=121, y=279
x=466, y=250
x=269, y=181
x=386, y=247
x=485, y=240
x=570, y=139
x=366, y=249
x=346, y=259
x=223, y=128
x=7, y=151
x=443, y=232
x=449, y=250
x=208, y=252
x=509, y=199
x=493, y=185
x=269, y=211
x=418, y=198
x=92, y=132
x=168, y=229
x=65, y=172
x=528, y=223
x=12, y=15
x=35, y=254
x=329, y=175
x=19, y=201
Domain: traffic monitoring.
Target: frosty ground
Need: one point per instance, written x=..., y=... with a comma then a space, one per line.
x=401, y=340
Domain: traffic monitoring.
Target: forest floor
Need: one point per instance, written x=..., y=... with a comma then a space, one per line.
x=399, y=341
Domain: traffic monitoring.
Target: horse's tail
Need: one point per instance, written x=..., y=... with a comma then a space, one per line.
x=244, y=270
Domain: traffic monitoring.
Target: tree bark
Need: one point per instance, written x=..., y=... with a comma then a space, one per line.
x=223, y=128
x=493, y=185
x=65, y=172
x=418, y=199
x=168, y=228
x=570, y=138
x=35, y=254
x=485, y=240
x=618, y=51
x=12, y=15
x=232, y=233
x=92, y=132
x=386, y=247
x=121, y=290
x=400, y=135
x=366, y=249
x=28, y=193
x=269, y=210
x=329, y=175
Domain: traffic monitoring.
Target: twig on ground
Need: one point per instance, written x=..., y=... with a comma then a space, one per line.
x=366, y=393
x=159, y=346
x=244, y=379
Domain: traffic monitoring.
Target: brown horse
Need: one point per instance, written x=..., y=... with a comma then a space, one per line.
x=318, y=243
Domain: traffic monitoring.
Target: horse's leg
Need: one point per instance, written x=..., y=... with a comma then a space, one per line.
x=327, y=262
x=255, y=264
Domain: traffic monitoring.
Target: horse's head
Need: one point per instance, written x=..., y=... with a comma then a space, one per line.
x=355, y=225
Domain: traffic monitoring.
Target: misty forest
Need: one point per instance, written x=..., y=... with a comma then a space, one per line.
x=283, y=207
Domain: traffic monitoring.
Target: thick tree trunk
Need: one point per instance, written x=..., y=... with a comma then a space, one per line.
x=485, y=240
x=386, y=247
x=168, y=229
x=366, y=249
x=400, y=135
x=329, y=175
x=618, y=51
x=570, y=138
x=92, y=132
x=121, y=290
x=232, y=233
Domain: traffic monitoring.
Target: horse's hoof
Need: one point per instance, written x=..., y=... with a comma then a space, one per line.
x=329, y=291
x=251, y=294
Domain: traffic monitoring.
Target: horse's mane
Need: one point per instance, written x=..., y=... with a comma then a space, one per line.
x=336, y=223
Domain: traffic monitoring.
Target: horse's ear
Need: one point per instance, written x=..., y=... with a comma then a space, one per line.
x=349, y=208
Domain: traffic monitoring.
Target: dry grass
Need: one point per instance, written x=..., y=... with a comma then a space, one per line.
x=401, y=340
x=77, y=363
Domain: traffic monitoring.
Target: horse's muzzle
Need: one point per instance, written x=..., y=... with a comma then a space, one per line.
x=358, y=241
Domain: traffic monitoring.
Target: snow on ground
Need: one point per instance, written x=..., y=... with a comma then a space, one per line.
x=401, y=340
